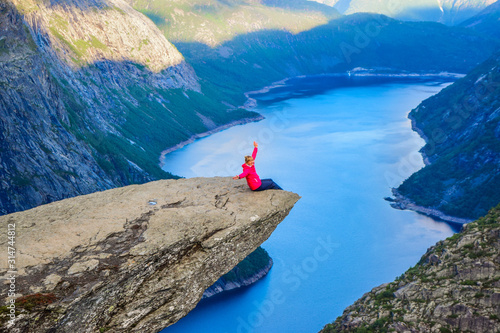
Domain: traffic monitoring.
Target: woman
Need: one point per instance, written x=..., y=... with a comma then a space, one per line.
x=253, y=180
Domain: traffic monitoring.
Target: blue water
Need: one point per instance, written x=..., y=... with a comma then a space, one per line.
x=341, y=144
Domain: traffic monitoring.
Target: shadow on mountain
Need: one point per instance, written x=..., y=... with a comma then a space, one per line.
x=103, y=125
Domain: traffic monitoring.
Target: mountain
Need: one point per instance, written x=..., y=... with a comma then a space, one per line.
x=461, y=126
x=448, y=12
x=487, y=22
x=453, y=288
x=92, y=93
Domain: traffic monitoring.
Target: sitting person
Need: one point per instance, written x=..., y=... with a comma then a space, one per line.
x=253, y=180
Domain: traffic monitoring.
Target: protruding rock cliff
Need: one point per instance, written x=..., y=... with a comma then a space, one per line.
x=133, y=259
x=454, y=288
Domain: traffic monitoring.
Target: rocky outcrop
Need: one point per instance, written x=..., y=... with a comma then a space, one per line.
x=454, y=288
x=132, y=259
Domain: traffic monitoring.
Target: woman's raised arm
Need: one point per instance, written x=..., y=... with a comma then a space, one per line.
x=254, y=153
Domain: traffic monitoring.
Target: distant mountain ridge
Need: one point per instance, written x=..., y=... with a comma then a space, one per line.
x=213, y=22
x=450, y=12
x=371, y=41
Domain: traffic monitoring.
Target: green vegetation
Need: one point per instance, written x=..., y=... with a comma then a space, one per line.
x=380, y=326
x=254, y=262
x=79, y=47
x=22, y=180
x=386, y=296
x=252, y=60
x=170, y=116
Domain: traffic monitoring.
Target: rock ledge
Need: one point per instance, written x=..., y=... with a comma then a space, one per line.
x=133, y=259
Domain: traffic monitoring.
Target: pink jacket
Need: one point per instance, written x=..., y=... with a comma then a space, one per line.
x=251, y=175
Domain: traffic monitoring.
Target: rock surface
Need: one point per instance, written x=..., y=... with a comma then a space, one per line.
x=454, y=288
x=133, y=259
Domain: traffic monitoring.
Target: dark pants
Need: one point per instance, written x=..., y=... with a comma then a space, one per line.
x=268, y=184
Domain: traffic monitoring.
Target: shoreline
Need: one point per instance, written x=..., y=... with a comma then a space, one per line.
x=403, y=203
x=356, y=72
x=207, y=133
x=419, y=131
x=221, y=286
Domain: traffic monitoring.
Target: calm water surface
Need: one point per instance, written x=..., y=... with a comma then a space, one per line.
x=341, y=144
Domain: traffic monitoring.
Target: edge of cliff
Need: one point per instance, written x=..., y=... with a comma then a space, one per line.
x=132, y=259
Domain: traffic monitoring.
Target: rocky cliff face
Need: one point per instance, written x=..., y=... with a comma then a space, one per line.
x=454, y=288
x=44, y=47
x=133, y=259
x=40, y=158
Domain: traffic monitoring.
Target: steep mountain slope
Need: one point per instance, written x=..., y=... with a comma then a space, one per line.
x=449, y=12
x=461, y=126
x=487, y=22
x=453, y=288
x=92, y=96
